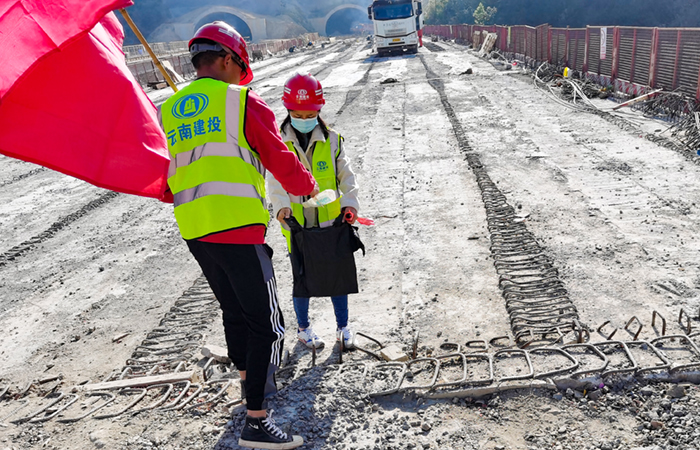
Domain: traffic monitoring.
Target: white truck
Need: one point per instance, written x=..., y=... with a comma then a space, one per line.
x=397, y=25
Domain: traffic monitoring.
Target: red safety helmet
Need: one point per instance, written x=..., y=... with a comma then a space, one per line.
x=227, y=36
x=303, y=93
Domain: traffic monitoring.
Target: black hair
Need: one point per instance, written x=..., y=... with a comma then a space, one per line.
x=205, y=59
x=324, y=127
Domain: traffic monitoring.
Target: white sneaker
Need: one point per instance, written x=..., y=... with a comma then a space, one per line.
x=309, y=338
x=347, y=336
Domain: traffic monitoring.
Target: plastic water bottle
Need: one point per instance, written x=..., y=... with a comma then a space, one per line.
x=321, y=199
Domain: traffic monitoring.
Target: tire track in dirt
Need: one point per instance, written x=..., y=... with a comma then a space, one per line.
x=355, y=91
x=314, y=55
x=22, y=176
x=536, y=298
x=327, y=67
x=26, y=246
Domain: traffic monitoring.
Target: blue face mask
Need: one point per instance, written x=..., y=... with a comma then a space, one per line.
x=305, y=125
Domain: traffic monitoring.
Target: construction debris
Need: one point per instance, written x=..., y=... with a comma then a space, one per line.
x=489, y=43
x=119, y=337
x=138, y=382
x=641, y=98
x=220, y=354
x=393, y=353
x=177, y=78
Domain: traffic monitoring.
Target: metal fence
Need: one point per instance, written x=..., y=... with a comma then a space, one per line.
x=177, y=54
x=632, y=59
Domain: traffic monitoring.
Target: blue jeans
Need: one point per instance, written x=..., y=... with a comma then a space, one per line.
x=340, y=305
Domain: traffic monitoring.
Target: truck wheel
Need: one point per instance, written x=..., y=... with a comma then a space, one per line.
x=413, y=49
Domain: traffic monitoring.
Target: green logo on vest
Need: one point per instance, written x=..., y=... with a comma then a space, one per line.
x=190, y=106
x=321, y=166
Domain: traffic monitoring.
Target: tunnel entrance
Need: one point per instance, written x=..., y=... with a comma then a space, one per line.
x=236, y=22
x=347, y=21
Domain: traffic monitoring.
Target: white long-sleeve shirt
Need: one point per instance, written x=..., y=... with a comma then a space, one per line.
x=346, y=181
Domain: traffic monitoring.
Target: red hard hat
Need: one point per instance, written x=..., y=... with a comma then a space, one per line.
x=224, y=34
x=303, y=93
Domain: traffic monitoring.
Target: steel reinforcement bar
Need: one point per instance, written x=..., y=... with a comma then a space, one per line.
x=536, y=299
x=455, y=370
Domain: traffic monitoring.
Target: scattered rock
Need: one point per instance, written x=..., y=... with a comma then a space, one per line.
x=220, y=354
x=656, y=425
x=96, y=438
x=393, y=353
x=595, y=395
x=676, y=391
x=647, y=390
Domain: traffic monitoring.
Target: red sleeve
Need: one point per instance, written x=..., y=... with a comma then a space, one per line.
x=263, y=135
x=167, y=196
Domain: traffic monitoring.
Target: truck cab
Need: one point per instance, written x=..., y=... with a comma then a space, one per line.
x=396, y=25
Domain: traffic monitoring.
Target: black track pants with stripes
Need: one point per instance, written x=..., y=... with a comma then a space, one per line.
x=243, y=282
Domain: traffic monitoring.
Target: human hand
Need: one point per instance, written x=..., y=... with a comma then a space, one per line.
x=349, y=215
x=284, y=213
x=316, y=190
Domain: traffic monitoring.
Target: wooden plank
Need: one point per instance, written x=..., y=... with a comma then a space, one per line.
x=637, y=100
x=138, y=382
x=654, y=60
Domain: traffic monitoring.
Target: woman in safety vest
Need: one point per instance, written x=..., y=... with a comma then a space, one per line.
x=320, y=150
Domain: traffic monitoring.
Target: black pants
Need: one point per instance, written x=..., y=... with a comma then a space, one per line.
x=243, y=282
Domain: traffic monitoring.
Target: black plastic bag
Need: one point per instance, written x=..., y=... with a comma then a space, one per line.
x=323, y=264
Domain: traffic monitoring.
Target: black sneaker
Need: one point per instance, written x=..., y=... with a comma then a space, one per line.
x=266, y=434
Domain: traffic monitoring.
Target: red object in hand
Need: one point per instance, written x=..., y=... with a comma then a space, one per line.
x=365, y=221
x=350, y=216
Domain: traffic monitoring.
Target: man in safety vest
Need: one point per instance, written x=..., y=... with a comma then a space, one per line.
x=222, y=137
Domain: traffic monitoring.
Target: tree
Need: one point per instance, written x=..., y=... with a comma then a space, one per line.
x=447, y=12
x=483, y=15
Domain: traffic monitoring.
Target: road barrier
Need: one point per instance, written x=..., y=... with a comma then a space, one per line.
x=178, y=55
x=632, y=59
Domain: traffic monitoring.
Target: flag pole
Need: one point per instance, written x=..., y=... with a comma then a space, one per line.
x=157, y=62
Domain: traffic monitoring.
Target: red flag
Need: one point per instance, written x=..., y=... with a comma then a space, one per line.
x=69, y=102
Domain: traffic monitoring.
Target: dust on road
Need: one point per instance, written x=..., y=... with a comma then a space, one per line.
x=614, y=212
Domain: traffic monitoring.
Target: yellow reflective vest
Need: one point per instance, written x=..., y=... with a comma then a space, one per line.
x=217, y=181
x=323, y=169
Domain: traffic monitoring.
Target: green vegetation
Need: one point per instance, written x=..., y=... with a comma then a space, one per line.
x=482, y=15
